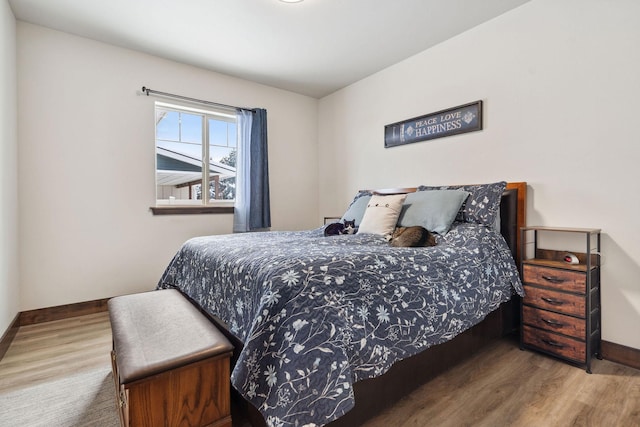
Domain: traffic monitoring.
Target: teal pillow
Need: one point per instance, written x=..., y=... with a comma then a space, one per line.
x=434, y=210
x=482, y=205
x=357, y=208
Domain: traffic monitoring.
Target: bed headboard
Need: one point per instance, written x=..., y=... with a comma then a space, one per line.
x=513, y=212
x=515, y=200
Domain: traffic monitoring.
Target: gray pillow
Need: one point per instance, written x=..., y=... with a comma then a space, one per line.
x=356, y=208
x=482, y=205
x=434, y=210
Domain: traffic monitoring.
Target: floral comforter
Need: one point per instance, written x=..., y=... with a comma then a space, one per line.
x=317, y=314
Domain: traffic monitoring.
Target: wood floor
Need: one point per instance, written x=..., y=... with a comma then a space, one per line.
x=51, y=350
x=502, y=386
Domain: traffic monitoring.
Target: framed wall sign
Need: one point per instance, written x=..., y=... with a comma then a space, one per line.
x=452, y=121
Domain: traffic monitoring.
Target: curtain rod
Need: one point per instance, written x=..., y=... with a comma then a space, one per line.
x=198, y=101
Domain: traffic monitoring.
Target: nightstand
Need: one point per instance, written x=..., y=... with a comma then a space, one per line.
x=560, y=312
x=331, y=219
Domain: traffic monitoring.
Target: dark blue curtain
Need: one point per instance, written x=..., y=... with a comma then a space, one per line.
x=259, y=202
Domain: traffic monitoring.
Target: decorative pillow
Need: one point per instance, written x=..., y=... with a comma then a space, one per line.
x=482, y=205
x=433, y=210
x=382, y=214
x=357, y=207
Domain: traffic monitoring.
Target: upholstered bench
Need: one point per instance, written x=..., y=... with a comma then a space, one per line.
x=170, y=363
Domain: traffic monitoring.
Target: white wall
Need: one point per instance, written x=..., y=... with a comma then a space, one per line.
x=87, y=165
x=9, y=303
x=560, y=85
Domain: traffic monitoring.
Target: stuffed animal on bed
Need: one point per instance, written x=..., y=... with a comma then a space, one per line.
x=404, y=237
x=349, y=227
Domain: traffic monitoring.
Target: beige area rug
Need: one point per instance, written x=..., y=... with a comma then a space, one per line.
x=84, y=399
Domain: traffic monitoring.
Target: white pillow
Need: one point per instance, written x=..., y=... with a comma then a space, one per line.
x=382, y=214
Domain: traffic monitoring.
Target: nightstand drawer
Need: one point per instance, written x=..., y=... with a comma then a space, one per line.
x=554, y=322
x=553, y=343
x=569, y=281
x=555, y=301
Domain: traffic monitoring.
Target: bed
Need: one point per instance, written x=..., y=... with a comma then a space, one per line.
x=329, y=330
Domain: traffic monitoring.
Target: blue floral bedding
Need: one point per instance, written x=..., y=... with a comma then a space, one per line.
x=317, y=314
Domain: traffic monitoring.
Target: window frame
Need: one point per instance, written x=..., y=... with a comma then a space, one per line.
x=206, y=205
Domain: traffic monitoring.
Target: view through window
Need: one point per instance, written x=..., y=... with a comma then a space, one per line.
x=195, y=150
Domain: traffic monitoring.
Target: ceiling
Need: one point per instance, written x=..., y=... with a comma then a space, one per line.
x=313, y=48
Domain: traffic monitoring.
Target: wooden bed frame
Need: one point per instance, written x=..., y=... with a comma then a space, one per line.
x=372, y=396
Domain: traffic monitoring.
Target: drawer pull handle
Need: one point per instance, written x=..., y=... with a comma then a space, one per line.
x=553, y=279
x=553, y=323
x=553, y=343
x=552, y=301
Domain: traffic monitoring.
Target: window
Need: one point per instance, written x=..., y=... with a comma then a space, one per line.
x=186, y=136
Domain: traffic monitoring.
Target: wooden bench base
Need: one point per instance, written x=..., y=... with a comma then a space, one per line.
x=186, y=396
x=171, y=366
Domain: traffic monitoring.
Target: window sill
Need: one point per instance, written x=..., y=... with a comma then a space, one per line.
x=191, y=210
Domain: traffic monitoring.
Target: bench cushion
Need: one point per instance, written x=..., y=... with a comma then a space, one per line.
x=157, y=331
